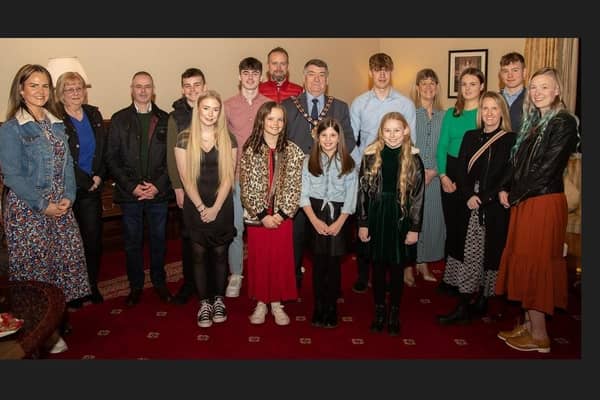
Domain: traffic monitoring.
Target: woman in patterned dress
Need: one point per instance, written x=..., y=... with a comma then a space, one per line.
x=482, y=162
x=429, y=112
x=44, y=243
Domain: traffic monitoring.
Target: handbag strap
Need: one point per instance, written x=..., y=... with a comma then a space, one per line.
x=483, y=148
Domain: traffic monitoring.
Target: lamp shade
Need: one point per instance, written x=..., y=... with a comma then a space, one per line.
x=59, y=65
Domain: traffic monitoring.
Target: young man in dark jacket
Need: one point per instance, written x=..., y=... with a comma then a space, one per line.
x=193, y=84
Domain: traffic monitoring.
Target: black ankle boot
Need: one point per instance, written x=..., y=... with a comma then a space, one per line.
x=479, y=307
x=318, y=315
x=447, y=289
x=460, y=315
x=394, y=321
x=379, y=320
x=330, y=320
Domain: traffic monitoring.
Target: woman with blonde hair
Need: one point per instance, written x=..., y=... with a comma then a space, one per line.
x=482, y=162
x=84, y=126
x=532, y=269
x=205, y=155
x=429, y=114
x=390, y=211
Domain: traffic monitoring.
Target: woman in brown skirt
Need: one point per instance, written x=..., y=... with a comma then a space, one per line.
x=532, y=269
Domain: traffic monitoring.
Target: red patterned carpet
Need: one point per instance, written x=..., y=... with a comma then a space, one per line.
x=152, y=330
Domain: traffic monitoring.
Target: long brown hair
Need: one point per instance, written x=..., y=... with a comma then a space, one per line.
x=341, y=153
x=16, y=101
x=256, y=138
x=408, y=168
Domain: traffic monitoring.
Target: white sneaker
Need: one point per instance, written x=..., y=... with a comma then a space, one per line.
x=59, y=347
x=234, y=286
x=258, y=316
x=281, y=318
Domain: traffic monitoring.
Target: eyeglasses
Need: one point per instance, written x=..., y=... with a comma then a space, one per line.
x=73, y=90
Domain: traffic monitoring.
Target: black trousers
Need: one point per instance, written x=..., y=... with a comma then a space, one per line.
x=186, y=256
x=300, y=221
x=88, y=213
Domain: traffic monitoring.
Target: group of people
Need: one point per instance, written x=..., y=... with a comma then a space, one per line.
x=297, y=168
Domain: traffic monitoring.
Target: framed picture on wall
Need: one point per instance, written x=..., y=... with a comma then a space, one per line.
x=458, y=60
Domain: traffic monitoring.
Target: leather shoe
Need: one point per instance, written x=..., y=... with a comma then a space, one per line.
x=360, y=287
x=526, y=342
x=517, y=331
x=163, y=293
x=133, y=297
x=96, y=296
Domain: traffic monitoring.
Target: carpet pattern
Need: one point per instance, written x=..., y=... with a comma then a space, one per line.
x=153, y=330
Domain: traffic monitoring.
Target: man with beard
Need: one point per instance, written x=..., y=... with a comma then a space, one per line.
x=278, y=87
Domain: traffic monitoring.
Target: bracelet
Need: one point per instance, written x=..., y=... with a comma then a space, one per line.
x=200, y=207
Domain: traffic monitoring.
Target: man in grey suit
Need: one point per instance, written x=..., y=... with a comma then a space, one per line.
x=303, y=113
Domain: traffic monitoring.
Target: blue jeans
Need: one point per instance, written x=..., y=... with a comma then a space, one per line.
x=236, y=248
x=133, y=235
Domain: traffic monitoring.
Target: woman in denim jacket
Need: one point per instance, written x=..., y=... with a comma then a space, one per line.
x=44, y=243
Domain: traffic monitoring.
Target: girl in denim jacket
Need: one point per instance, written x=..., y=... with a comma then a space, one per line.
x=329, y=190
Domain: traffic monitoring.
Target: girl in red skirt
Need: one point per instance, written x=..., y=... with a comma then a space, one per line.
x=270, y=182
x=532, y=269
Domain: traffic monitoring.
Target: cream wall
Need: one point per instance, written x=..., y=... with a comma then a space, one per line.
x=110, y=62
x=412, y=54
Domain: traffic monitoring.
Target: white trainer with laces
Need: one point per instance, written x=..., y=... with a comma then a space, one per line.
x=234, y=286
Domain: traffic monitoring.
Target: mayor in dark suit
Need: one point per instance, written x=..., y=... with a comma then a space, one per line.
x=303, y=113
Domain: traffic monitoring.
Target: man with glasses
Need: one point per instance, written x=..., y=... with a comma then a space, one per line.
x=278, y=87
x=240, y=112
x=137, y=160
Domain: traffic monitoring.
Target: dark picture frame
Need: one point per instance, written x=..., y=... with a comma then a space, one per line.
x=458, y=60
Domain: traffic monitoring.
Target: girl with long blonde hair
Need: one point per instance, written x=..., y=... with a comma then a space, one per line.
x=390, y=211
x=205, y=155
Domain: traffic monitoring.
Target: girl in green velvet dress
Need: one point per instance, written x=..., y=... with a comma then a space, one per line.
x=390, y=211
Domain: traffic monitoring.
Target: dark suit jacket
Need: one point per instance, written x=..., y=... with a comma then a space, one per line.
x=298, y=127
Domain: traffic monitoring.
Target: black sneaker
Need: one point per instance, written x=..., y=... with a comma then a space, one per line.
x=205, y=314
x=219, y=310
x=360, y=287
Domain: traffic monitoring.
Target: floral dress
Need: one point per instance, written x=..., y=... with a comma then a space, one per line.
x=44, y=248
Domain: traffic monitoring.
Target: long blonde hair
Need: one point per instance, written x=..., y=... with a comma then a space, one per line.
x=194, y=153
x=406, y=177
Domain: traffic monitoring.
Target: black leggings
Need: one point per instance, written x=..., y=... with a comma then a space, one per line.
x=326, y=279
x=205, y=258
x=396, y=283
